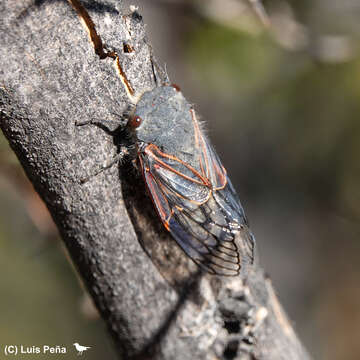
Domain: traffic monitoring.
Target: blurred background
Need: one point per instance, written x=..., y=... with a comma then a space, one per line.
x=281, y=103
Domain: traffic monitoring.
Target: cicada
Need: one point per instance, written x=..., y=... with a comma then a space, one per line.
x=187, y=183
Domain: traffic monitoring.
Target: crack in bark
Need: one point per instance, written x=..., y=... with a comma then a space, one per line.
x=91, y=29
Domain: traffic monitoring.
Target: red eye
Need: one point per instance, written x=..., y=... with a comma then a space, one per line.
x=176, y=87
x=135, y=122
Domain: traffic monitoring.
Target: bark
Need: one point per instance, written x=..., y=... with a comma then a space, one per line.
x=156, y=303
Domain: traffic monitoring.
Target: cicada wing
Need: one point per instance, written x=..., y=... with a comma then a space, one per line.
x=228, y=202
x=227, y=199
x=211, y=164
x=205, y=222
x=160, y=201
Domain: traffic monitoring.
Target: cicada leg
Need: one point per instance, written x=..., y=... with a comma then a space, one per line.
x=115, y=160
x=122, y=153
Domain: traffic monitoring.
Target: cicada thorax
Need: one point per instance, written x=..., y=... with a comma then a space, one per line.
x=188, y=184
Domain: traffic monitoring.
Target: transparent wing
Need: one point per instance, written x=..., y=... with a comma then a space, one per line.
x=200, y=209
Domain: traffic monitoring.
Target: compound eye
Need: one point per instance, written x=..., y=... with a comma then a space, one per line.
x=176, y=87
x=135, y=122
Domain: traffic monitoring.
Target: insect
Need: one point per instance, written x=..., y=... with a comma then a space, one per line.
x=187, y=183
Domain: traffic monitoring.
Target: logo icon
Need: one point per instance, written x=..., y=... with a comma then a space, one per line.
x=80, y=348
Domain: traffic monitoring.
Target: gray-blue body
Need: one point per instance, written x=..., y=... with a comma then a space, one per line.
x=167, y=123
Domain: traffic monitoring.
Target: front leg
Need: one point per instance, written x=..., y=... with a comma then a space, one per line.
x=123, y=150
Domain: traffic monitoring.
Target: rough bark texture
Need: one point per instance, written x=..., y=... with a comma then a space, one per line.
x=155, y=302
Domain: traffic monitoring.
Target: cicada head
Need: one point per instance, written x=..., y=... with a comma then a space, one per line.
x=160, y=117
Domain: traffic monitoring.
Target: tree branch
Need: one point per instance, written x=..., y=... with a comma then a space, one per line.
x=156, y=303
